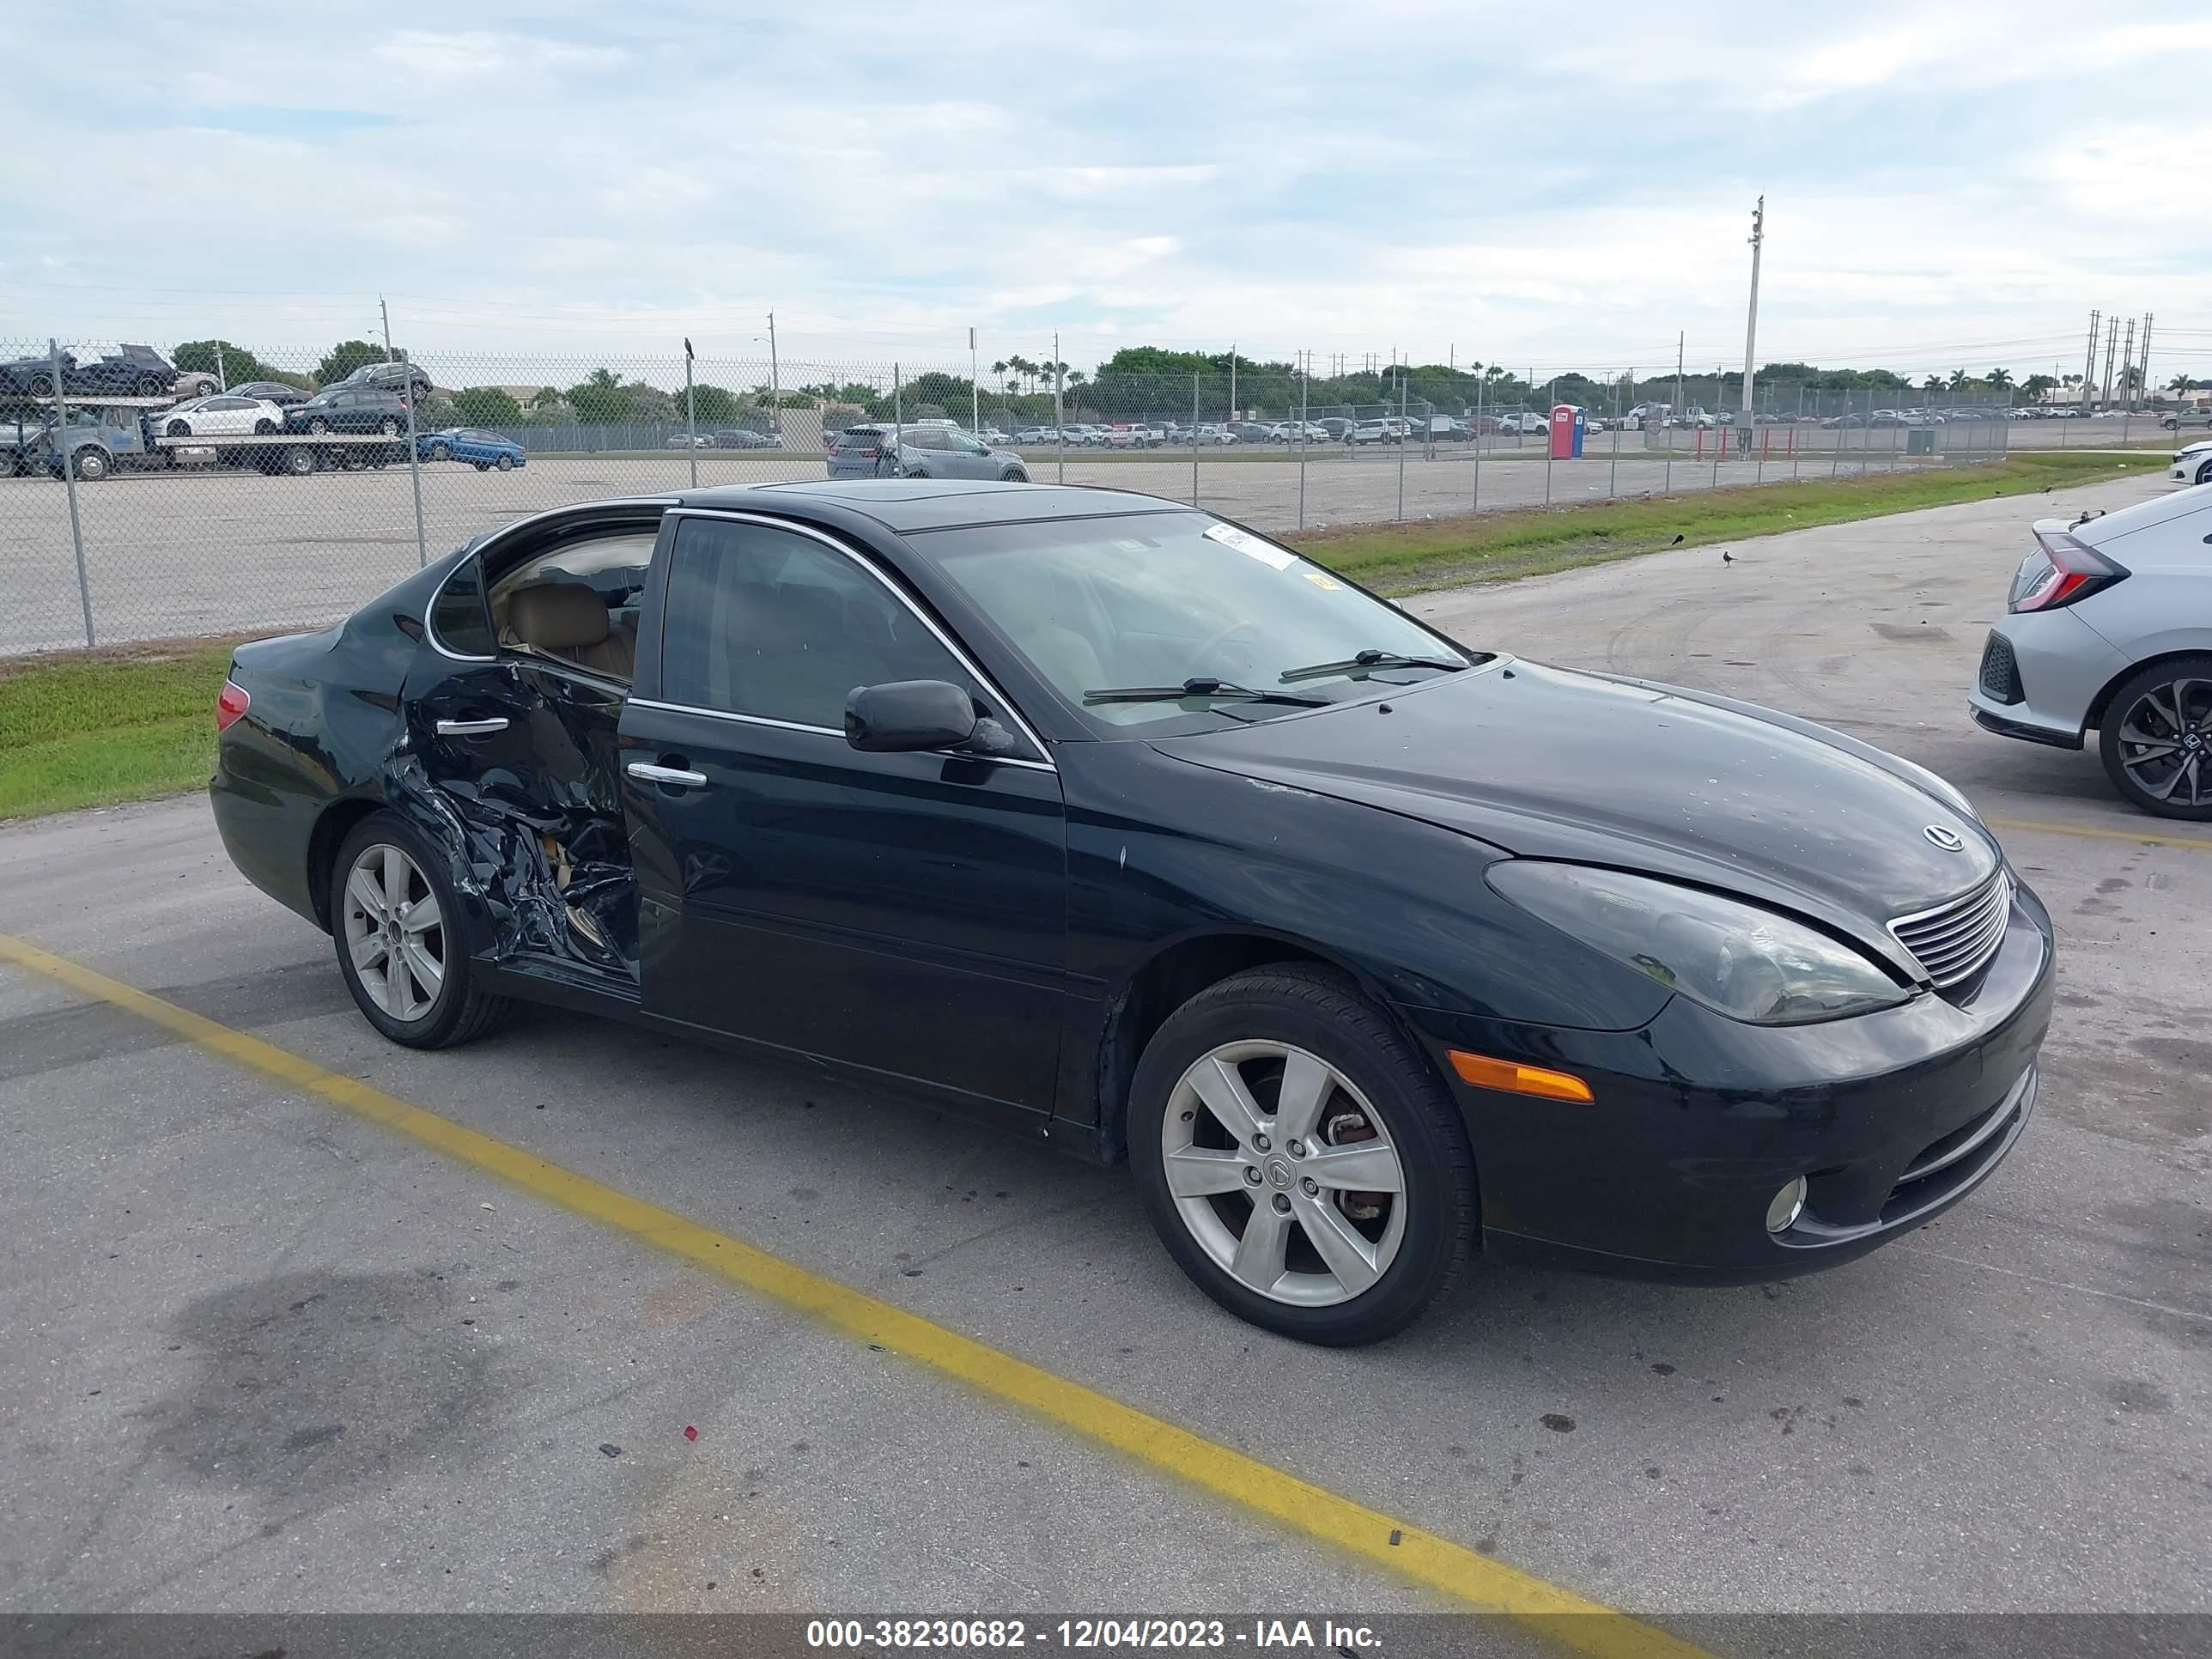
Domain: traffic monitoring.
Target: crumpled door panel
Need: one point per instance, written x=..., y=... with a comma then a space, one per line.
x=533, y=815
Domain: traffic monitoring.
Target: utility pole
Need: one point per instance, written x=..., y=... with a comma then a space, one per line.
x=2089, y=364
x=975, y=390
x=2146, y=356
x=1751, y=322
x=2128, y=364
x=1678, y=383
x=2111, y=345
x=414, y=456
x=222, y=374
x=776, y=381
x=1232, y=380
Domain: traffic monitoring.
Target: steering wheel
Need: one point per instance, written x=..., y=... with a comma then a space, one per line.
x=1201, y=660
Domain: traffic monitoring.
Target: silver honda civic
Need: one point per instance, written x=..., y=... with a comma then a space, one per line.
x=2109, y=628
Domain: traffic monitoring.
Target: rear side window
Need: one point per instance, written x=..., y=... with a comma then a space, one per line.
x=769, y=623
x=924, y=437
x=459, y=618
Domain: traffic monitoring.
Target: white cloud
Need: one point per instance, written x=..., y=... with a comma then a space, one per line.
x=1338, y=178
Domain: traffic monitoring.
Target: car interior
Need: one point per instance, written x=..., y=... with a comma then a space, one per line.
x=577, y=604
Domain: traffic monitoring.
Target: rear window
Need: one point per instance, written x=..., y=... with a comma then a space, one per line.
x=458, y=619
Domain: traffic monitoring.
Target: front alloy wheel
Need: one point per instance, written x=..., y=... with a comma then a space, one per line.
x=1283, y=1174
x=2156, y=739
x=1299, y=1158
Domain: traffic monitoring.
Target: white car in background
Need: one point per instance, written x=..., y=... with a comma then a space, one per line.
x=2110, y=627
x=220, y=417
x=2192, y=463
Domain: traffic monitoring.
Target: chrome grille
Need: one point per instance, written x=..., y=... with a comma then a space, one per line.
x=1953, y=942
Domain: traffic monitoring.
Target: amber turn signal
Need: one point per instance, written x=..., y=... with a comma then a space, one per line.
x=1485, y=1072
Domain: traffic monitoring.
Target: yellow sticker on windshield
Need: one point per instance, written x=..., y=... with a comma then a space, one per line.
x=1251, y=546
x=1320, y=580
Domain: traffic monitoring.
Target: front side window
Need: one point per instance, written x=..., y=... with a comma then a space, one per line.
x=767, y=623
x=1155, y=600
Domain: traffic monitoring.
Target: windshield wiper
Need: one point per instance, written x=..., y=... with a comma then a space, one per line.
x=1198, y=686
x=1368, y=659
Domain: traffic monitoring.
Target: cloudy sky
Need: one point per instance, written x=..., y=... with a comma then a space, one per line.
x=1569, y=185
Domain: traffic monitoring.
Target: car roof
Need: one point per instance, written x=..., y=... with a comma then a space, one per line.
x=903, y=505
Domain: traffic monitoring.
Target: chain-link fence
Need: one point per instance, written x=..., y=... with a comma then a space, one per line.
x=210, y=488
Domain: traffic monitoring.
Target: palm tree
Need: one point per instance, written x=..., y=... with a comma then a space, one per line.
x=1999, y=378
x=1933, y=384
x=2181, y=383
x=999, y=369
x=1957, y=379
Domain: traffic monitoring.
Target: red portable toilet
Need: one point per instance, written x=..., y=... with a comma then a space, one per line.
x=1566, y=433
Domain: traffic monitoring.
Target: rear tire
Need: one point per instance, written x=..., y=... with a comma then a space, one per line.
x=1391, y=1250
x=265, y=428
x=388, y=427
x=2157, y=736
x=299, y=460
x=318, y=425
x=401, y=946
x=442, y=453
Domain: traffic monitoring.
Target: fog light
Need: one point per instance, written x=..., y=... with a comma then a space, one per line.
x=1788, y=1205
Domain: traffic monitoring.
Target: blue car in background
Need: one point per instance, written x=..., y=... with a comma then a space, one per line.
x=480, y=449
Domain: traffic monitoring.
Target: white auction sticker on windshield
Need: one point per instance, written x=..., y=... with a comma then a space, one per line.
x=1249, y=545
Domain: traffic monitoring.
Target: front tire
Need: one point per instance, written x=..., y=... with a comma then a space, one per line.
x=1299, y=1159
x=442, y=453
x=91, y=465
x=179, y=429
x=396, y=922
x=388, y=427
x=505, y=464
x=318, y=425
x=299, y=460
x=2204, y=473
x=2156, y=738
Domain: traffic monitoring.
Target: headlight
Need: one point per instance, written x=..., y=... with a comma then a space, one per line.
x=1737, y=958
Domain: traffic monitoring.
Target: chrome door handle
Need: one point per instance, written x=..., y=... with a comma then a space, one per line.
x=649, y=773
x=471, y=728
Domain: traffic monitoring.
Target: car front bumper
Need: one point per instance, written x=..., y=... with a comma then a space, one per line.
x=1698, y=1120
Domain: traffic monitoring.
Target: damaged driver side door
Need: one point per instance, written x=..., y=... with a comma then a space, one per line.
x=516, y=739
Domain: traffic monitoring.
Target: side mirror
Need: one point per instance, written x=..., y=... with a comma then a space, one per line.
x=905, y=715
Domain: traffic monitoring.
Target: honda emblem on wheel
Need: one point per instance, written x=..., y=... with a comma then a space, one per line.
x=1949, y=840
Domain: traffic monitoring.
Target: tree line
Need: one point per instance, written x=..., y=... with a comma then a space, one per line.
x=1136, y=381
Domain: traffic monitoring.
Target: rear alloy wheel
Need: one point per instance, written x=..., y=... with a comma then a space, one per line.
x=2156, y=739
x=299, y=460
x=398, y=946
x=1299, y=1160
x=388, y=427
x=318, y=425
x=506, y=463
x=179, y=429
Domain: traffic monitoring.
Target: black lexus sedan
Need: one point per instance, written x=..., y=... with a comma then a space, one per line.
x=1096, y=817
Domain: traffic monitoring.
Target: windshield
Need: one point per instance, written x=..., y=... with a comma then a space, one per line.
x=1154, y=600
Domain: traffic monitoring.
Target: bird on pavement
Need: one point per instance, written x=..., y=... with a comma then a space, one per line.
x=1677, y=542
x=1726, y=558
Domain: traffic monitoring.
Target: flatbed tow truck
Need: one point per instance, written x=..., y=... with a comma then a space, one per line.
x=108, y=435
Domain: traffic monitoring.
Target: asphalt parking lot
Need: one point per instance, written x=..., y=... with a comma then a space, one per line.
x=269, y=1354
x=178, y=554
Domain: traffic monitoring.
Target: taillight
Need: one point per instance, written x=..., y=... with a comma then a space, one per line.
x=2072, y=570
x=230, y=704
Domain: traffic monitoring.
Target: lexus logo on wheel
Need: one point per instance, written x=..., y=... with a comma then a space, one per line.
x=1949, y=840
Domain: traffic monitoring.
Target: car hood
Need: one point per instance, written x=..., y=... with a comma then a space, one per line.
x=1546, y=762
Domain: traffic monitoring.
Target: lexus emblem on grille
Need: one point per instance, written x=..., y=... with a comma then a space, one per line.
x=1948, y=839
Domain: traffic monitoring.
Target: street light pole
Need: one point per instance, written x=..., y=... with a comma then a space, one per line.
x=1751, y=321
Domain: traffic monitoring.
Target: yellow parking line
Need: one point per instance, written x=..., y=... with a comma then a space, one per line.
x=1436, y=1562
x=2092, y=833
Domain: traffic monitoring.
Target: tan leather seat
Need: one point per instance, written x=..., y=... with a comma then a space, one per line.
x=569, y=620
